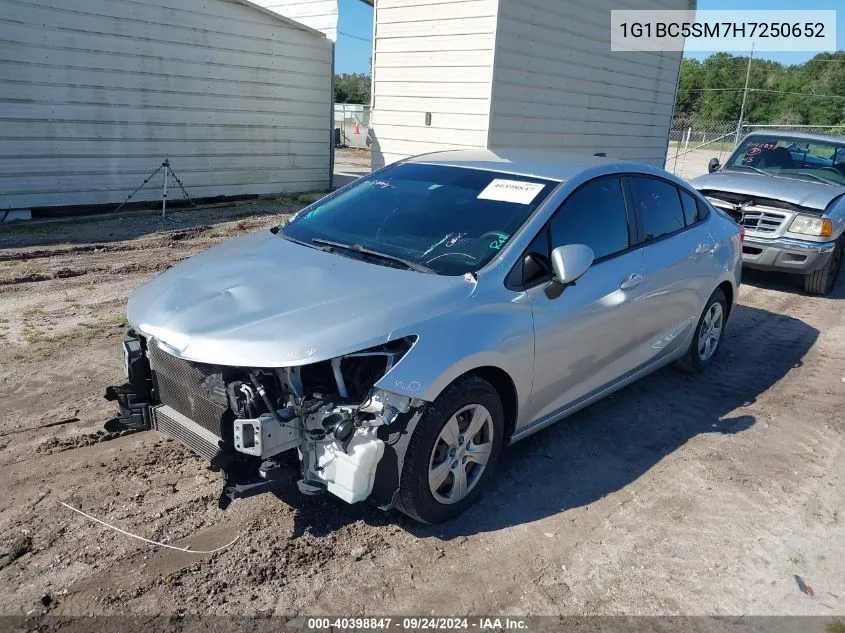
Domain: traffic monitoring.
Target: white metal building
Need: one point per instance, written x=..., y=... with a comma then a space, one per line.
x=318, y=14
x=97, y=92
x=517, y=73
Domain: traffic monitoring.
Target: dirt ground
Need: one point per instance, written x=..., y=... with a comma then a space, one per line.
x=716, y=494
x=693, y=162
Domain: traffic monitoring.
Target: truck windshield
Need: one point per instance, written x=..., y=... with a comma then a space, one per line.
x=442, y=219
x=785, y=155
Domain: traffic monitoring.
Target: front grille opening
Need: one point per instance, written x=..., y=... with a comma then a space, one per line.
x=762, y=221
x=751, y=250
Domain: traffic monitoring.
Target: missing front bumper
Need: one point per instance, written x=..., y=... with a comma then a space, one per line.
x=348, y=449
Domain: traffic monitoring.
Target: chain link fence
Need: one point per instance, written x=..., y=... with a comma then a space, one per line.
x=693, y=143
x=351, y=123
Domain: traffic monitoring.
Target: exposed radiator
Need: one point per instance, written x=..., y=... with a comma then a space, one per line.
x=173, y=424
x=194, y=390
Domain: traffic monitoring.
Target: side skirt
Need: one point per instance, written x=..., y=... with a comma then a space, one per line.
x=596, y=395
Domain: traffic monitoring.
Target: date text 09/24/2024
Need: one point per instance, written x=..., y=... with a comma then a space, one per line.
x=418, y=623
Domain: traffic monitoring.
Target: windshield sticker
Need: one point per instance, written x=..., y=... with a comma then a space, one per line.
x=499, y=242
x=516, y=191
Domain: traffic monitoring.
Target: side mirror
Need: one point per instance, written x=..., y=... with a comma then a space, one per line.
x=570, y=262
x=713, y=165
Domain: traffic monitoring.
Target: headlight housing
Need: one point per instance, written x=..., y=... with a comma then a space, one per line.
x=811, y=225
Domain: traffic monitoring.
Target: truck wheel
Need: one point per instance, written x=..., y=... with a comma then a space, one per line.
x=707, y=336
x=453, y=451
x=822, y=281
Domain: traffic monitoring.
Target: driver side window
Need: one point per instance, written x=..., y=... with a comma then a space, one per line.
x=595, y=215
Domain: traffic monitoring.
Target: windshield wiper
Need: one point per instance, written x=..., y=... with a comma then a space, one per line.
x=357, y=248
x=293, y=239
x=751, y=167
x=813, y=176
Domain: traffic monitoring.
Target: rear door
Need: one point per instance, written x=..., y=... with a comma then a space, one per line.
x=587, y=336
x=679, y=260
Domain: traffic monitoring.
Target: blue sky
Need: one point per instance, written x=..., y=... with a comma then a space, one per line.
x=352, y=54
x=355, y=20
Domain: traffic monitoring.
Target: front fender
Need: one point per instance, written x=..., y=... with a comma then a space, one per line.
x=500, y=334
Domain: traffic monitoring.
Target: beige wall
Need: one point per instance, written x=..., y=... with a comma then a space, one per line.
x=517, y=73
x=431, y=56
x=558, y=85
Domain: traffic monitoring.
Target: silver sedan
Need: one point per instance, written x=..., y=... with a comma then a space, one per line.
x=398, y=333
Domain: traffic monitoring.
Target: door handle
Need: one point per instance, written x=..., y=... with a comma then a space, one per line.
x=631, y=281
x=703, y=248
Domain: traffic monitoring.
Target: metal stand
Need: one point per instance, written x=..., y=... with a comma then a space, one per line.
x=167, y=170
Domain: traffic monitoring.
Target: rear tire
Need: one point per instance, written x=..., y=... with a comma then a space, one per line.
x=822, y=281
x=442, y=475
x=703, y=349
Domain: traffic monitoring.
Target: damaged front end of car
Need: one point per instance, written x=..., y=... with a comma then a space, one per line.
x=246, y=420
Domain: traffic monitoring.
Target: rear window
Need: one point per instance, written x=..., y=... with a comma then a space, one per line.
x=657, y=205
x=692, y=211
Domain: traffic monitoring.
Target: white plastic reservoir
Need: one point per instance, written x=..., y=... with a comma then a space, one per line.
x=350, y=475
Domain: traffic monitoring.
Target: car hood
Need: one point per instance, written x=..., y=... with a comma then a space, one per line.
x=802, y=193
x=262, y=301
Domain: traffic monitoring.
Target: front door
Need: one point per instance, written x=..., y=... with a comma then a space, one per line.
x=590, y=334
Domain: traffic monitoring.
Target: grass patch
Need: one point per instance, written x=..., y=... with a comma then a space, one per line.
x=308, y=198
x=41, y=345
x=836, y=627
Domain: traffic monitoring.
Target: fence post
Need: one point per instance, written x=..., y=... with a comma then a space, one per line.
x=686, y=147
x=677, y=150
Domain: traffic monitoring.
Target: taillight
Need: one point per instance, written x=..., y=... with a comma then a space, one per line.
x=741, y=234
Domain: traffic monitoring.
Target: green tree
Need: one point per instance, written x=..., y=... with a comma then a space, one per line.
x=812, y=93
x=352, y=88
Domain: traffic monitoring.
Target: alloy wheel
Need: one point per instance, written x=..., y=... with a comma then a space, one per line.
x=460, y=454
x=711, y=331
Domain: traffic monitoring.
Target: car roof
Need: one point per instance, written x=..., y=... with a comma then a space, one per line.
x=804, y=136
x=538, y=163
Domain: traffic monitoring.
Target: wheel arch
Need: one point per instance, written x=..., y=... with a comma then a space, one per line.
x=501, y=381
x=728, y=289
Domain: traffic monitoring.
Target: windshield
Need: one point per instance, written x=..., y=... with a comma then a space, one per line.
x=448, y=220
x=783, y=155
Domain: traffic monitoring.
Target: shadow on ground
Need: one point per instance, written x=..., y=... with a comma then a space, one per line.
x=612, y=443
x=786, y=282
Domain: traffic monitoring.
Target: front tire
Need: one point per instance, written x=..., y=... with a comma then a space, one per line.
x=707, y=336
x=453, y=451
x=822, y=281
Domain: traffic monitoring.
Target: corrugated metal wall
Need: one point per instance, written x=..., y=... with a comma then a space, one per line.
x=558, y=85
x=431, y=56
x=97, y=92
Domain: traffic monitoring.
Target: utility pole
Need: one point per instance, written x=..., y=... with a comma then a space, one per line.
x=744, y=97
